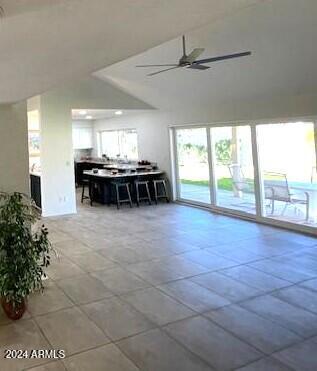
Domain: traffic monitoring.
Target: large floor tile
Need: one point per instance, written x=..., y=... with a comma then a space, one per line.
x=154, y=272
x=106, y=358
x=209, y=260
x=299, y=296
x=155, y=351
x=63, y=268
x=71, y=247
x=287, y=315
x=226, y=286
x=124, y=255
x=84, y=289
x=255, y=278
x=281, y=270
x=213, y=344
x=193, y=295
x=120, y=281
x=236, y=253
x=117, y=318
x=289, y=236
x=266, y=364
x=51, y=366
x=263, y=334
x=92, y=261
x=52, y=299
x=300, y=357
x=23, y=334
x=157, y=306
x=166, y=269
x=71, y=330
x=310, y=284
x=56, y=236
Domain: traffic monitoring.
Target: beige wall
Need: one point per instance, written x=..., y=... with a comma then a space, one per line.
x=14, y=157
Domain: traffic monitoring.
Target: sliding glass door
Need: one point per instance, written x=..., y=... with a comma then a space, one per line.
x=287, y=156
x=193, y=165
x=233, y=168
x=264, y=171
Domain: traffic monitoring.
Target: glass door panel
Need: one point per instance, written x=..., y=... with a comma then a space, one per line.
x=193, y=166
x=288, y=171
x=233, y=168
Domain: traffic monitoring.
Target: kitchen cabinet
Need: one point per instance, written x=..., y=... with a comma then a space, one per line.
x=36, y=189
x=82, y=138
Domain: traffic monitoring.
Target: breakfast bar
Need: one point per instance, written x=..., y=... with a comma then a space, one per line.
x=101, y=184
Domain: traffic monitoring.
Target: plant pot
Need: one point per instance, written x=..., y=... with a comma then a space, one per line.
x=14, y=312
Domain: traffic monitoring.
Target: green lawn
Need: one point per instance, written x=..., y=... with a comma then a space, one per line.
x=225, y=184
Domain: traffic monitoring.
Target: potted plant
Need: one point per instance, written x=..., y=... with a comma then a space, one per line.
x=24, y=252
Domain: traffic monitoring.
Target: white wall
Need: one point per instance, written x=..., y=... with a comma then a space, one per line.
x=14, y=156
x=58, y=182
x=153, y=127
x=57, y=155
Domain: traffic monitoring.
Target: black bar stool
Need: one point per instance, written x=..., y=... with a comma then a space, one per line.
x=142, y=183
x=85, y=182
x=160, y=184
x=125, y=187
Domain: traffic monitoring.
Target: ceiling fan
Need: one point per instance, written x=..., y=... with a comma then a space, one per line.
x=191, y=61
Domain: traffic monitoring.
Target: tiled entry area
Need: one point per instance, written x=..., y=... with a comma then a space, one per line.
x=170, y=287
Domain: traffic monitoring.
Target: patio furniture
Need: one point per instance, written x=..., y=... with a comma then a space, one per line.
x=240, y=183
x=276, y=188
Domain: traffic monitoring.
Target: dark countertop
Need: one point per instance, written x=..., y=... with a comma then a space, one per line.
x=108, y=174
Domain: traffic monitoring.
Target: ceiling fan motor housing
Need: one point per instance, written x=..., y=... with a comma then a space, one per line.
x=183, y=61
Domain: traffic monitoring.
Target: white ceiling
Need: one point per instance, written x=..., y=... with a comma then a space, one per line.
x=45, y=42
x=281, y=35
x=97, y=114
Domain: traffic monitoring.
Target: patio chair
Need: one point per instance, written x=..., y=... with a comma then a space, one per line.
x=239, y=181
x=276, y=188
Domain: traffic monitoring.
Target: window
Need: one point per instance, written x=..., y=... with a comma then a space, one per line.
x=193, y=166
x=34, y=138
x=288, y=168
x=119, y=144
x=265, y=171
x=233, y=168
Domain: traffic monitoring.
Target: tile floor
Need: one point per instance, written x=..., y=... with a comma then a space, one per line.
x=167, y=287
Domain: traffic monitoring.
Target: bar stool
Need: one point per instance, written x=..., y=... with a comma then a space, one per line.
x=138, y=184
x=126, y=188
x=85, y=182
x=160, y=183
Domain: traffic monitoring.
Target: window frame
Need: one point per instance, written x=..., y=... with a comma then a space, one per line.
x=254, y=124
x=100, y=145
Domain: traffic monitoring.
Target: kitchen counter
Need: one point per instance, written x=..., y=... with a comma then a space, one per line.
x=109, y=175
x=35, y=187
x=99, y=162
x=100, y=188
x=35, y=173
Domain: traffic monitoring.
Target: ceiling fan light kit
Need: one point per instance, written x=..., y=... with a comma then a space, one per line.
x=191, y=60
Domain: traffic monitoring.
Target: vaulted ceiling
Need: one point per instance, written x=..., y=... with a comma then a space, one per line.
x=282, y=36
x=45, y=43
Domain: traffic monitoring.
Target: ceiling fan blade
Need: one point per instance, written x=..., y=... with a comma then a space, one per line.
x=157, y=65
x=198, y=67
x=167, y=69
x=194, y=54
x=222, y=58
